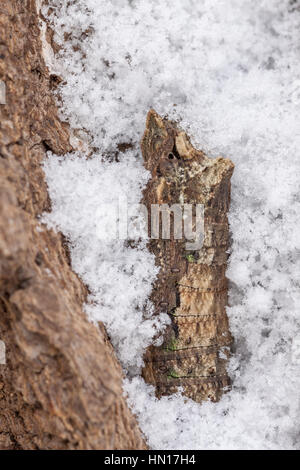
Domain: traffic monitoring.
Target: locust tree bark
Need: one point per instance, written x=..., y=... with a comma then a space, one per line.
x=61, y=385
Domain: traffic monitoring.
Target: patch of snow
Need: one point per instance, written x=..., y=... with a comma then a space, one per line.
x=229, y=72
x=119, y=277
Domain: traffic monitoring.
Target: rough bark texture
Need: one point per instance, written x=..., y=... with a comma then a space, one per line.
x=191, y=286
x=61, y=385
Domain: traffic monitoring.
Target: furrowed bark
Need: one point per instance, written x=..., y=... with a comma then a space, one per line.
x=61, y=385
x=191, y=286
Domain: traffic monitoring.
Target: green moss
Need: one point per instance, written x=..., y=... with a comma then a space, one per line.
x=190, y=258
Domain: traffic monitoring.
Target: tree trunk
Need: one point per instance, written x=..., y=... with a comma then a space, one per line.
x=60, y=387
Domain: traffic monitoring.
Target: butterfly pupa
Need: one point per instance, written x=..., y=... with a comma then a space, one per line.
x=191, y=286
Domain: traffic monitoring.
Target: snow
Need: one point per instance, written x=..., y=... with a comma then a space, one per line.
x=119, y=277
x=229, y=72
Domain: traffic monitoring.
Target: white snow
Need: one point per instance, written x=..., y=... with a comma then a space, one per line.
x=119, y=278
x=229, y=72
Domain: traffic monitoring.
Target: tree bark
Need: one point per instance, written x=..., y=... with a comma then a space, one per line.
x=61, y=385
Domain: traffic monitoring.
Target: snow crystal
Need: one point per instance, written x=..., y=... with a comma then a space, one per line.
x=229, y=72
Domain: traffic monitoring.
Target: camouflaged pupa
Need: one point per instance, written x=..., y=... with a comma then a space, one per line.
x=191, y=285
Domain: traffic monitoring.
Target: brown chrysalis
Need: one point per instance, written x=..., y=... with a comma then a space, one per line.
x=191, y=285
